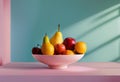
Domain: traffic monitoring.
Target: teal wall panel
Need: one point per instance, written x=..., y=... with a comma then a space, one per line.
x=96, y=22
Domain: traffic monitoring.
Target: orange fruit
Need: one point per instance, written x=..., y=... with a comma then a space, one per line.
x=68, y=52
x=80, y=47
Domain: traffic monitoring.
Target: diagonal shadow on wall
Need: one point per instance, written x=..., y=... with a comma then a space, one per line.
x=101, y=24
x=106, y=13
x=118, y=58
x=103, y=45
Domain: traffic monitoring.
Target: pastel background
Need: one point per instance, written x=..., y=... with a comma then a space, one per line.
x=97, y=22
x=4, y=31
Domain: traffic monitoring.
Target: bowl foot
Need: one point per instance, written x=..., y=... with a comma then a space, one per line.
x=57, y=66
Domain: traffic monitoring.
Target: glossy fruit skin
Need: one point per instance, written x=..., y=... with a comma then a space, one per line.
x=80, y=47
x=68, y=52
x=36, y=50
x=47, y=48
x=59, y=48
x=69, y=43
x=57, y=38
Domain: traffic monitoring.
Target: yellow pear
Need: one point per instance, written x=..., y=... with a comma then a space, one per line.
x=57, y=38
x=47, y=48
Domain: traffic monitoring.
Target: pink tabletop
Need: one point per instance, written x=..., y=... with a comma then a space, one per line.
x=76, y=69
x=38, y=72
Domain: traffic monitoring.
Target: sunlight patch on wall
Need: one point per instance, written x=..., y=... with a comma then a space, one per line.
x=81, y=27
x=98, y=30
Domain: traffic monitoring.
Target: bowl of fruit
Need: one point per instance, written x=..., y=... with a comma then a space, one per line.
x=57, y=52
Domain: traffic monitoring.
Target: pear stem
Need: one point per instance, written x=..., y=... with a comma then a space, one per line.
x=38, y=45
x=58, y=27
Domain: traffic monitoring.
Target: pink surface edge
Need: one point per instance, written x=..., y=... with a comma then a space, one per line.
x=4, y=31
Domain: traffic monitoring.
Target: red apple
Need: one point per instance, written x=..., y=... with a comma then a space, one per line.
x=36, y=50
x=69, y=43
x=59, y=48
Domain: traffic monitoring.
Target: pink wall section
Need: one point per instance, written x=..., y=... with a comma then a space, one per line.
x=4, y=31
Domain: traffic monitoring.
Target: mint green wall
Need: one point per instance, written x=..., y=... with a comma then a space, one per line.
x=96, y=22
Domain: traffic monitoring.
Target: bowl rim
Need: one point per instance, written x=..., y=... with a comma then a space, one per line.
x=58, y=55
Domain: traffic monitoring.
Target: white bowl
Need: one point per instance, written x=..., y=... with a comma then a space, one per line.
x=58, y=61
